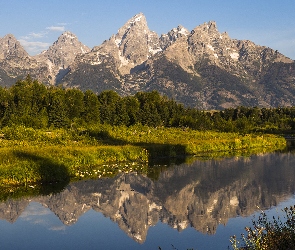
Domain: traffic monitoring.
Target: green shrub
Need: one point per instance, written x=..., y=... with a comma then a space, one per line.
x=267, y=234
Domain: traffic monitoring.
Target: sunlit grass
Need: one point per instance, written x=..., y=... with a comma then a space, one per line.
x=193, y=141
x=29, y=156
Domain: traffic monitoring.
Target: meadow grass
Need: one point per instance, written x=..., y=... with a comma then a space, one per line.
x=29, y=157
x=185, y=141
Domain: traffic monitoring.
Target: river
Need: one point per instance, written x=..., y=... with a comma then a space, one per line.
x=194, y=205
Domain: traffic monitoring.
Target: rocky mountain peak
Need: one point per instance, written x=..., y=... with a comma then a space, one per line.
x=182, y=30
x=206, y=30
x=212, y=27
x=137, y=25
x=10, y=47
x=131, y=46
x=67, y=43
x=137, y=22
x=202, y=68
x=167, y=39
x=8, y=38
x=61, y=54
x=205, y=41
x=67, y=38
x=135, y=40
x=67, y=35
x=16, y=62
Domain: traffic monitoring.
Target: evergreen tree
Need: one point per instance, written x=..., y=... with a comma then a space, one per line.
x=74, y=100
x=132, y=107
x=39, y=104
x=6, y=106
x=108, y=100
x=91, y=112
x=57, y=109
x=22, y=94
x=121, y=117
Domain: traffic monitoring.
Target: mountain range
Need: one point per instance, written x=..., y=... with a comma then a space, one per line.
x=202, y=68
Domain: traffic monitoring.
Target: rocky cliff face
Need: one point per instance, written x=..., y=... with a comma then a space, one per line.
x=201, y=195
x=104, y=67
x=61, y=55
x=16, y=63
x=203, y=68
x=49, y=67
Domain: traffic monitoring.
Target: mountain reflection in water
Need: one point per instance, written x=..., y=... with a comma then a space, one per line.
x=201, y=195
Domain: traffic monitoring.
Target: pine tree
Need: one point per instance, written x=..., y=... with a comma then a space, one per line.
x=57, y=109
x=91, y=112
x=108, y=100
x=74, y=100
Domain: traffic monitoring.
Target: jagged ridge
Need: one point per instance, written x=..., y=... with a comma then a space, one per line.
x=202, y=68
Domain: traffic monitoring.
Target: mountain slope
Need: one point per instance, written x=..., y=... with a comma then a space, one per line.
x=16, y=63
x=61, y=55
x=203, y=68
x=49, y=67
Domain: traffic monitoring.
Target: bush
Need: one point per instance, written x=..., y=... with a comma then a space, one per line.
x=269, y=234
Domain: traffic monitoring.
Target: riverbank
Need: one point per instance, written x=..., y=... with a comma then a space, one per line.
x=31, y=156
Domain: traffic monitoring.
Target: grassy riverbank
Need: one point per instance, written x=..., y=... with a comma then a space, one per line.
x=29, y=157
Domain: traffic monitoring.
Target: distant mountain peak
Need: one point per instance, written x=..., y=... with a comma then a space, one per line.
x=167, y=39
x=207, y=27
x=67, y=37
x=182, y=30
x=202, y=68
x=9, y=42
x=68, y=33
x=136, y=23
x=9, y=37
x=136, y=41
x=140, y=17
x=15, y=61
x=67, y=43
x=212, y=24
x=11, y=47
x=61, y=54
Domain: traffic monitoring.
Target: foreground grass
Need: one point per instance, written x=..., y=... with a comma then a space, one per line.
x=29, y=157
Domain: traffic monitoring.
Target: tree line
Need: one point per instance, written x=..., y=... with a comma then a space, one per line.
x=33, y=104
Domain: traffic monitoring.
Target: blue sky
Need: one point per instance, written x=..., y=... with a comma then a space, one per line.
x=38, y=23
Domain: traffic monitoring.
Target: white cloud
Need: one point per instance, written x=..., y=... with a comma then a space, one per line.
x=63, y=24
x=34, y=35
x=38, y=35
x=34, y=47
x=35, y=209
x=31, y=42
x=25, y=37
x=56, y=28
x=58, y=228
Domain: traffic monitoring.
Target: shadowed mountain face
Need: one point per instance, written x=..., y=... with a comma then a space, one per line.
x=202, y=68
x=201, y=195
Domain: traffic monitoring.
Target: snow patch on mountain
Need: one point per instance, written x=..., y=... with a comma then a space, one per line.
x=154, y=51
x=118, y=42
x=235, y=55
x=210, y=47
x=123, y=60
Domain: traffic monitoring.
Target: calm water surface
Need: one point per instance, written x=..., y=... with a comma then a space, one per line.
x=192, y=205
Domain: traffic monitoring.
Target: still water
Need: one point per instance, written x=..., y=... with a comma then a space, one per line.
x=195, y=205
